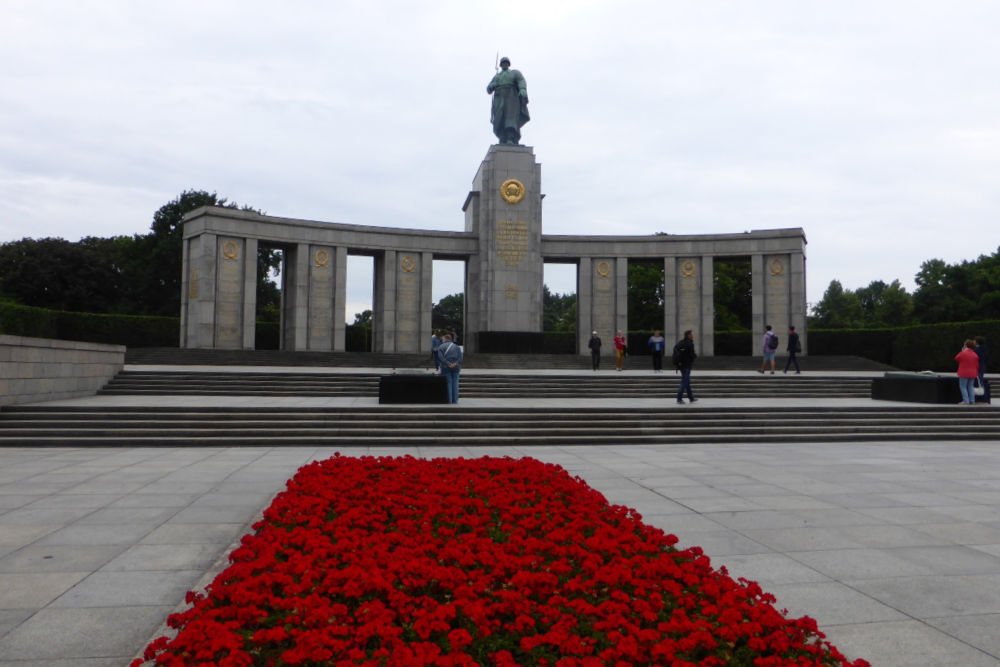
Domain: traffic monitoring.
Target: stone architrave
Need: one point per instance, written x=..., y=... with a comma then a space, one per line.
x=504, y=281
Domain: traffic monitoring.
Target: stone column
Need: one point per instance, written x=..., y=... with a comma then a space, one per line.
x=322, y=302
x=295, y=298
x=621, y=295
x=198, y=292
x=797, y=295
x=384, y=303
x=507, y=217
x=230, y=293
x=604, y=301
x=689, y=279
x=670, y=283
x=757, y=302
x=409, y=301
x=777, y=293
x=250, y=294
x=584, y=305
x=426, y=303
x=706, y=330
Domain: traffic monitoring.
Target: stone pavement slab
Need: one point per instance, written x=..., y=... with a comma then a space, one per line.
x=902, y=575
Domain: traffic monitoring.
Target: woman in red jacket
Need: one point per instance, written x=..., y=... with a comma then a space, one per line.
x=968, y=371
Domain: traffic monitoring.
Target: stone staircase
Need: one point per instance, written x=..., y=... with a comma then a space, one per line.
x=172, y=356
x=586, y=385
x=443, y=426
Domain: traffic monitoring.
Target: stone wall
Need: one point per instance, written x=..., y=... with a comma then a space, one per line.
x=39, y=369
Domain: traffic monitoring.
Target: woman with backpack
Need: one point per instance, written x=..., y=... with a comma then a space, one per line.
x=769, y=347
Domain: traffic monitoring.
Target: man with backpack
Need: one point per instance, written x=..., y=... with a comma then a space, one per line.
x=769, y=347
x=794, y=347
x=683, y=359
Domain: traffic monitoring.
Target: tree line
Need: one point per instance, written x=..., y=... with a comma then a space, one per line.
x=126, y=275
x=961, y=292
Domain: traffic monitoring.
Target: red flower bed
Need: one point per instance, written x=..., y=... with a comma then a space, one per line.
x=403, y=561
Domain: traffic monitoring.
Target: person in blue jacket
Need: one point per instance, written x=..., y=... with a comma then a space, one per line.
x=450, y=356
x=656, y=349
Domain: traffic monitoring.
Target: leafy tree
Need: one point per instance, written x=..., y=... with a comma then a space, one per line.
x=838, y=309
x=645, y=296
x=732, y=294
x=558, y=311
x=449, y=314
x=958, y=292
x=58, y=274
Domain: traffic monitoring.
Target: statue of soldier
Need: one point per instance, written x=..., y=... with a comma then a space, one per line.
x=510, y=103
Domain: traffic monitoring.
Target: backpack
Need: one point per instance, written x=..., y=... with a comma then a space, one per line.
x=678, y=356
x=772, y=344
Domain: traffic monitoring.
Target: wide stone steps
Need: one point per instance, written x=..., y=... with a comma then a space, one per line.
x=457, y=426
x=597, y=385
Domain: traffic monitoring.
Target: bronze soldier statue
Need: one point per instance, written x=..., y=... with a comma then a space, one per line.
x=510, y=103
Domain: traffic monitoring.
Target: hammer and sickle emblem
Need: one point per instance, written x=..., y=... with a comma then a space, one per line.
x=322, y=258
x=230, y=250
x=603, y=269
x=777, y=268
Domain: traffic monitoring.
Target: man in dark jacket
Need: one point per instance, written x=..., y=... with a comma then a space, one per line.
x=794, y=347
x=595, y=350
x=684, y=357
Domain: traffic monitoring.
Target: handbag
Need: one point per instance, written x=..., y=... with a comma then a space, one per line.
x=978, y=389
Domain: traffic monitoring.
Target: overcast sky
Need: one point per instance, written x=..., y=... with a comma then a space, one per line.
x=875, y=126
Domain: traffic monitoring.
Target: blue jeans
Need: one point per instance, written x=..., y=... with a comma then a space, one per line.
x=965, y=384
x=451, y=377
x=685, y=384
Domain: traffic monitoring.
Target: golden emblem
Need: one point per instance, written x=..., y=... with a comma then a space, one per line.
x=512, y=191
x=321, y=258
x=777, y=268
x=603, y=269
x=688, y=268
x=408, y=264
x=230, y=250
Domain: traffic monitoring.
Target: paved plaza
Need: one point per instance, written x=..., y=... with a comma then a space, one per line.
x=894, y=547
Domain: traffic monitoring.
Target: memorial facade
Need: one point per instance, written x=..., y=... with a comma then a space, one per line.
x=504, y=251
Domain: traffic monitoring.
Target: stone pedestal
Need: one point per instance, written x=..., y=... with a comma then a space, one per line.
x=504, y=213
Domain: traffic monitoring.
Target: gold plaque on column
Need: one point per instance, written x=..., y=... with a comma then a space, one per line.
x=230, y=250
x=408, y=264
x=512, y=191
x=777, y=267
x=322, y=258
x=603, y=269
x=688, y=268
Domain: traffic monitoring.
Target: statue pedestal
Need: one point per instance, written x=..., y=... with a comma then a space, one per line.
x=504, y=211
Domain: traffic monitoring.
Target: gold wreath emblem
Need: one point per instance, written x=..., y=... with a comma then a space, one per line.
x=321, y=258
x=230, y=250
x=408, y=264
x=603, y=269
x=777, y=268
x=510, y=292
x=512, y=191
x=688, y=268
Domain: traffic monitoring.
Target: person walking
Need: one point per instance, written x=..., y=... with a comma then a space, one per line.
x=683, y=359
x=968, y=371
x=450, y=356
x=983, y=353
x=656, y=349
x=595, y=350
x=620, y=346
x=794, y=347
x=769, y=347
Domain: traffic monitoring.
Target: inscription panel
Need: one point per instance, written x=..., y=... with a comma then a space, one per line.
x=512, y=241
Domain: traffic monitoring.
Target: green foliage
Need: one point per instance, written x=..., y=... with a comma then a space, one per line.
x=733, y=343
x=130, y=330
x=449, y=314
x=558, y=311
x=955, y=292
x=732, y=294
x=137, y=275
x=645, y=295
